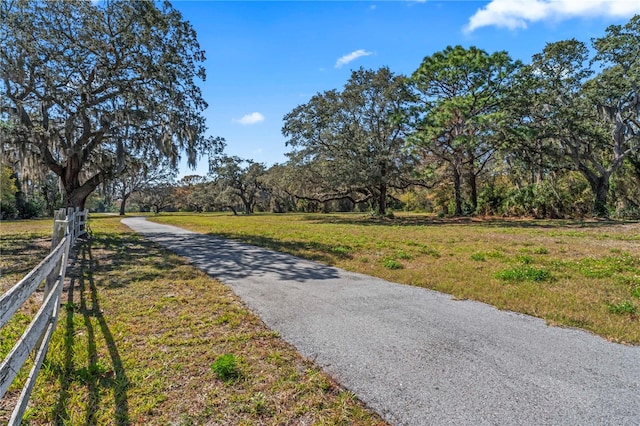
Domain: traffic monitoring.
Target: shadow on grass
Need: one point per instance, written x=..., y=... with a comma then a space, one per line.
x=132, y=251
x=95, y=376
x=422, y=220
x=24, y=248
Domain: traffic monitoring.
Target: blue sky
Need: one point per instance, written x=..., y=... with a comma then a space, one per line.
x=264, y=58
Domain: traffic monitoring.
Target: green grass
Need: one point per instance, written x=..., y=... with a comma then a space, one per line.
x=625, y=307
x=523, y=273
x=391, y=264
x=139, y=334
x=567, y=272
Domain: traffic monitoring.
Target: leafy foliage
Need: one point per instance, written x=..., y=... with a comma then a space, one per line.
x=461, y=91
x=524, y=273
x=236, y=179
x=91, y=84
x=350, y=144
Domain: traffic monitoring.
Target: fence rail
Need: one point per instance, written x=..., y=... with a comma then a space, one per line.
x=68, y=225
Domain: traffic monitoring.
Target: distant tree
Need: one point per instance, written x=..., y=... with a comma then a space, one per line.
x=191, y=193
x=137, y=176
x=351, y=143
x=282, y=183
x=461, y=91
x=237, y=178
x=90, y=84
x=157, y=197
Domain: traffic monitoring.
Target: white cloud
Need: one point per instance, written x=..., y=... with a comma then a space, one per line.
x=514, y=14
x=344, y=60
x=253, y=118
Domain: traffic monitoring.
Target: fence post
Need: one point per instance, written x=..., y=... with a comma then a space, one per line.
x=59, y=230
x=85, y=217
x=76, y=222
x=70, y=219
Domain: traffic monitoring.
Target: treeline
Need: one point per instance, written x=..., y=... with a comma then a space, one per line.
x=468, y=133
x=476, y=133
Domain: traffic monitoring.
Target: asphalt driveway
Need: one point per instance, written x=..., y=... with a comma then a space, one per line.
x=416, y=356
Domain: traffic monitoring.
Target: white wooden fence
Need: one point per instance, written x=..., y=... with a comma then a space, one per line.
x=67, y=226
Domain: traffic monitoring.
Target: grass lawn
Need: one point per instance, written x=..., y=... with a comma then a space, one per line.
x=144, y=338
x=582, y=274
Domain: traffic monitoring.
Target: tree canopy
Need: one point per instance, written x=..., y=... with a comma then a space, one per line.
x=351, y=143
x=90, y=84
x=461, y=92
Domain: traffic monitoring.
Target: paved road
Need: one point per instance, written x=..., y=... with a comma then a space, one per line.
x=416, y=356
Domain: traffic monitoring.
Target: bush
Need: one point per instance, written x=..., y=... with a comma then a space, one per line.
x=627, y=212
x=8, y=210
x=30, y=209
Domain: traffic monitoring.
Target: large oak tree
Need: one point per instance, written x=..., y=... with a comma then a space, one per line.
x=351, y=143
x=584, y=118
x=88, y=84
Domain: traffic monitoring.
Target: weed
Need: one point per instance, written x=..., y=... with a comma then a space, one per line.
x=233, y=319
x=622, y=308
x=258, y=403
x=429, y=251
x=226, y=367
x=70, y=307
x=478, y=257
x=403, y=255
x=606, y=267
x=524, y=273
x=340, y=250
x=496, y=254
x=636, y=292
x=540, y=250
x=93, y=372
x=391, y=263
x=525, y=260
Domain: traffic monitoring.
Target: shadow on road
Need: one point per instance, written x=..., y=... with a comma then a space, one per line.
x=234, y=260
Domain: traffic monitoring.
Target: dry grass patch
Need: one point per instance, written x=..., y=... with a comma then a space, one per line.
x=569, y=272
x=138, y=337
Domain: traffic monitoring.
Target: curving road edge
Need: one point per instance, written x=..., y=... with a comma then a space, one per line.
x=416, y=356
